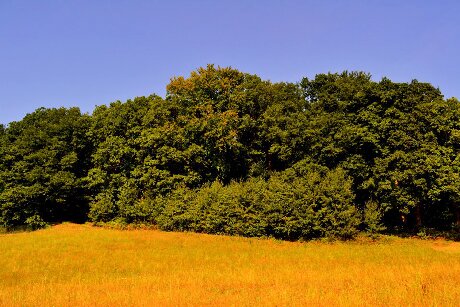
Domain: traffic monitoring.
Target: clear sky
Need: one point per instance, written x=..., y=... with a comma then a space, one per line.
x=91, y=52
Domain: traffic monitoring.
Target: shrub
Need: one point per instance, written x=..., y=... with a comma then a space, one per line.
x=373, y=218
x=304, y=202
x=103, y=208
x=35, y=222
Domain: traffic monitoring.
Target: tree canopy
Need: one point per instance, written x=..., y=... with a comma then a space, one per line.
x=228, y=152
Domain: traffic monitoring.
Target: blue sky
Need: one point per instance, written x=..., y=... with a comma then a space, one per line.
x=91, y=52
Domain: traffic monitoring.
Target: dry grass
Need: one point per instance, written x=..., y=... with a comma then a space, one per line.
x=80, y=265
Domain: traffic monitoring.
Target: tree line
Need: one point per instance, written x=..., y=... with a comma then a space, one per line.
x=229, y=153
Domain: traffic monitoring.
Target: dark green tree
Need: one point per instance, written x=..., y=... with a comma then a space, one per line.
x=44, y=158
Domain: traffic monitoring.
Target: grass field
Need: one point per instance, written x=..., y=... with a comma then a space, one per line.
x=81, y=265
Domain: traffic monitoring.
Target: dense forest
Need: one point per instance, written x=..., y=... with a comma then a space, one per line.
x=229, y=153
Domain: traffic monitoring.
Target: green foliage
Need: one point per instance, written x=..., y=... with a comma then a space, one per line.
x=373, y=218
x=394, y=139
x=305, y=202
x=35, y=222
x=227, y=152
x=44, y=158
x=103, y=208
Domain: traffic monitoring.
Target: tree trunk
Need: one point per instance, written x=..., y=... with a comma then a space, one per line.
x=418, y=216
x=458, y=216
x=403, y=219
x=269, y=160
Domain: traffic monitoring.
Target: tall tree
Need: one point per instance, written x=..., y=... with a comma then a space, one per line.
x=43, y=162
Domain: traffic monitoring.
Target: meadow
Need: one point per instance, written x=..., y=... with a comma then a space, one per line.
x=82, y=265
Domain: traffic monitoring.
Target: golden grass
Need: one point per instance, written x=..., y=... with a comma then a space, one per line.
x=80, y=265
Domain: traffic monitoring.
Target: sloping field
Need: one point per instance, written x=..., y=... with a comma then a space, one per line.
x=80, y=265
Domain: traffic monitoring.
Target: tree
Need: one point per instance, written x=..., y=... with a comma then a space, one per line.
x=44, y=158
